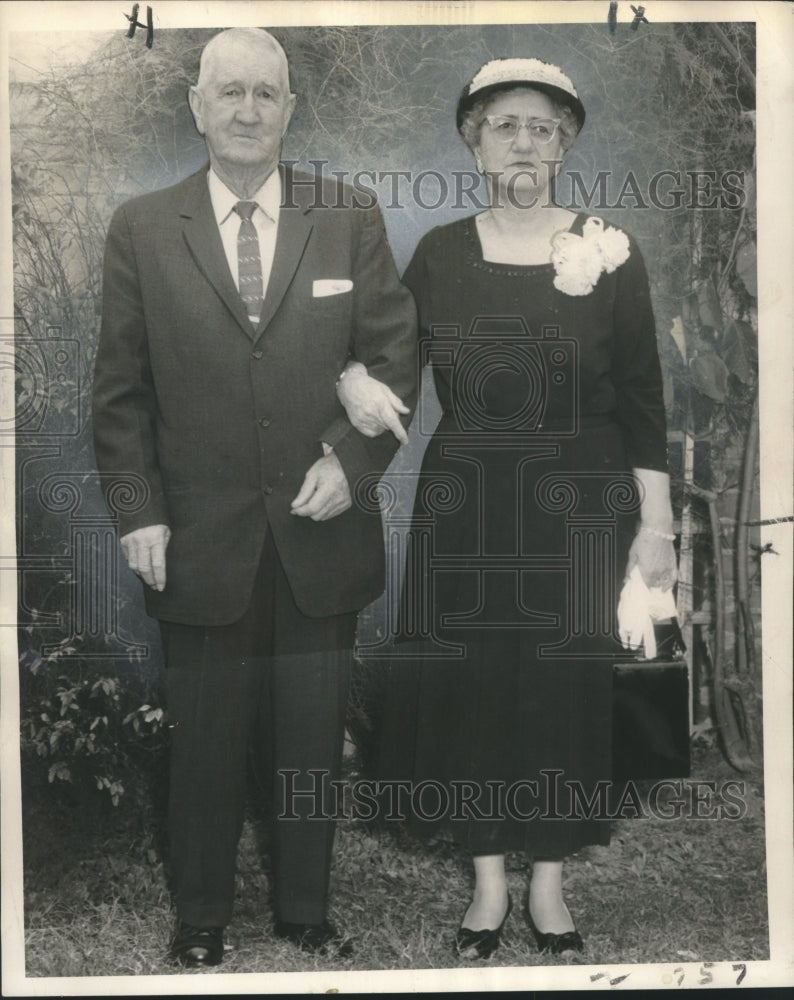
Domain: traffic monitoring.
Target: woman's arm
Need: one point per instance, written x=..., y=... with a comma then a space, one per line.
x=652, y=549
x=637, y=377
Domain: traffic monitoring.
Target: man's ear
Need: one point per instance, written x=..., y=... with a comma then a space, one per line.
x=196, y=102
x=291, y=101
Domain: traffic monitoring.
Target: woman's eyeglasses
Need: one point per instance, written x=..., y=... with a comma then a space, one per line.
x=505, y=128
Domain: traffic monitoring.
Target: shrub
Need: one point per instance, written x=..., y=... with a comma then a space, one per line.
x=99, y=727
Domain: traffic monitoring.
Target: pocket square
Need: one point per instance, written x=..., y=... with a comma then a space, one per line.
x=330, y=286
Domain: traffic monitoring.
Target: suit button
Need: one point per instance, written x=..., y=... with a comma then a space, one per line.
x=258, y=355
x=264, y=422
x=267, y=490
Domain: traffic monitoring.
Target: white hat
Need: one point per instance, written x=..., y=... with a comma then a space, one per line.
x=501, y=74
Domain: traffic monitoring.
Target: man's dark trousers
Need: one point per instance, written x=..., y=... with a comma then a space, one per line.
x=282, y=679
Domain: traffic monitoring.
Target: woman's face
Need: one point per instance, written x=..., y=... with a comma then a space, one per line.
x=520, y=166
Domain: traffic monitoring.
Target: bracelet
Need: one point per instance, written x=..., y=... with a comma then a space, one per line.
x=657, y=533
x=343, y=374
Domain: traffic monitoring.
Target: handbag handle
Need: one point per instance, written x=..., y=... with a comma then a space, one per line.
x=670, y=643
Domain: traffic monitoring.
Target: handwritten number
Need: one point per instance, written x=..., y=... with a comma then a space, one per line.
x=639, y=17
x=135, y=23
x=605, y=975
x=612, y=17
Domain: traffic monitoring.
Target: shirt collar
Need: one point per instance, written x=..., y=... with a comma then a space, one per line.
x=268, y=197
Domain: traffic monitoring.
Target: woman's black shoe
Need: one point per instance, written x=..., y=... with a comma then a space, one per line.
x=555, y=944
x=197, y=946
x=481, y=944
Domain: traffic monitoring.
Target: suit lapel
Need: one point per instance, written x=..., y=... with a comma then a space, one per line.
x=204, y=241
x=203, y=238
x=294, y=226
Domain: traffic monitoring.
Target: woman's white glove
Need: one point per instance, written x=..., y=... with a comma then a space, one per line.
x=638, y=608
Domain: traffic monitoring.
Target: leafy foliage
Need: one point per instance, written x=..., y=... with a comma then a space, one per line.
x=101, y=732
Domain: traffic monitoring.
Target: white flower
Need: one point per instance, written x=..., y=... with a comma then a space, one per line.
x=579, y=261
x=576, y=264
x=612, y=243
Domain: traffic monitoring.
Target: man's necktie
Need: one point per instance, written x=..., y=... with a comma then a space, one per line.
x=249, y=262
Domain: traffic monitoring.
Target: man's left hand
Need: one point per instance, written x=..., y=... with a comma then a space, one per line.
x=325, y=492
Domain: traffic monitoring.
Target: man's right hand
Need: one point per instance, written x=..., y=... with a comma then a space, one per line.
x=144, y=550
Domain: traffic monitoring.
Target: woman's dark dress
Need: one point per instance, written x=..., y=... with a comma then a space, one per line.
x=524, y=512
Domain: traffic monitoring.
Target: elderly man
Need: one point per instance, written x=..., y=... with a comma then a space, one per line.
x=232, y=301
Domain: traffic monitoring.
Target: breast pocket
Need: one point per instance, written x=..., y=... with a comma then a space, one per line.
x=326, y=326
x=336, y=305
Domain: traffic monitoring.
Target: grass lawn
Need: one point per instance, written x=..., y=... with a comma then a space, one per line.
x=666, y=890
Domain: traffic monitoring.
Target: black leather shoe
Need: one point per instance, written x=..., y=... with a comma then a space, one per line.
x=196, y=946
x=322, y=937
x=471, y=944
x=555, y=944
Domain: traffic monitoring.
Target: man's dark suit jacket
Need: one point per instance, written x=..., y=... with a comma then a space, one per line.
x=222, y=422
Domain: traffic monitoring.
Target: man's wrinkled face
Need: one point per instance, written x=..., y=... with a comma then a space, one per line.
x=242, y=105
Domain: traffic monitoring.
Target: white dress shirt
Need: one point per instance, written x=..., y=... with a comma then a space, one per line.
x=265, y=220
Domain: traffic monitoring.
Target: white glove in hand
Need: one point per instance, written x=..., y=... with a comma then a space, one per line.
x=638, y=608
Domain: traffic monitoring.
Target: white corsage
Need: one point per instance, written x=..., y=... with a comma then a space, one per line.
x=579, y=261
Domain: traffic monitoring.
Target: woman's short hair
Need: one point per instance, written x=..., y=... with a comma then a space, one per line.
x=474, y=116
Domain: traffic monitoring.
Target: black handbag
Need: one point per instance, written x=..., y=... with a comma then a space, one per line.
x=650, y=712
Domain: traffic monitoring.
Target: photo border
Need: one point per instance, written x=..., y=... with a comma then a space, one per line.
x=775, y=177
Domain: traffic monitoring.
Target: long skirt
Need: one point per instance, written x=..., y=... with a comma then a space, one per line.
x=497, y=711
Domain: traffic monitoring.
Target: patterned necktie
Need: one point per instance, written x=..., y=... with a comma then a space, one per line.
x=249, y=262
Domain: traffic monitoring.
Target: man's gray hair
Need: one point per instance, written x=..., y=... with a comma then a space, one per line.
x=253, y=36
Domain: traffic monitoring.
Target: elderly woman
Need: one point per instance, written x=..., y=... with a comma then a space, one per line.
x=538, y=325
